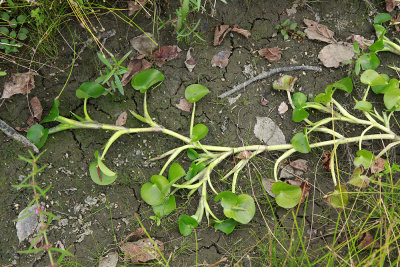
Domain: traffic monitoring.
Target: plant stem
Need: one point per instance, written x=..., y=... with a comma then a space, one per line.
x=192, y=120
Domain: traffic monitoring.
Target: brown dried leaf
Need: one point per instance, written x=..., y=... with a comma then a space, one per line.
x=366, y=241
x=243, y=32
x=267, y=184
x=264, y=101
x=21, y=83
x=334, y=54
x=244, y=155
x=391, y=4
x=316, y=31
x=135, y=65
x=184, y=105
x=121, y=120
x=362, y=42
x=166, y=53
x=141, y=250
x=272, y=54
x=300, y=164
x=326, y=158
x=305, y=191
x=396, y=19
x=378, y=165
x=144, y=44
x=190, y=63
x=282, y=108
x=221, y=59
x=220, y=33
x=36, y=108
x=134, y=6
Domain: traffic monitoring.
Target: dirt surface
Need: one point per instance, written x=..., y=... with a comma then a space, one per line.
x=94, y=218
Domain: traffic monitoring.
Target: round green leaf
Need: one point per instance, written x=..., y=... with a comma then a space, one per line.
x=146, y=79
x=54, y=112
x=287, y=196
x=365, y=158
x=5, y=16
x=324, y=97
x=90, y=89
x=162, y=183
x=175, y=172
x=103, y=179
x=392, y=99
x=195, y=92
x=186, y=224
x=21, y=18
x=4, y=30
x=226, y=226
x=299, y=99
x=168, y=206
x=151, y=194
x=370, y=61
x=104, y=168
x=372, y=78
x=363, y=105
x=300, y=143
x=37, y=134
x=13, y=34
x=382, y=88
x=299, y=114
x=22, y=36
x=339, y=198
x=382, y=17
x=13, y=24
x=199, y=132
x=240, y=208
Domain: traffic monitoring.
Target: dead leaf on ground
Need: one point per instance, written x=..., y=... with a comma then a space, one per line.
x=391, y=4
x=316, y=31
x=221, y=59
x=220, y=32
x=144, y=44
x=190, y=63
x=244, y=155
x=121, y=120
x=267, y=184
x=362, y=42
x=289, y=173
x=378, y=165
x=272, y=54
x=21, y=83
x=326, y=158
x=333, y=54
x=264, y=101
x=245, y=33
x=366, y=241
x=35, y=118
x=135, y=65
x=184, y=105
x=142, y=250
x=396, y=19
x=109, y=260
x=305, y=191
x=134, y=6
x=27, y=226
x=166, y=53
x=300, y=164
x=283, y=108
x=268, y=132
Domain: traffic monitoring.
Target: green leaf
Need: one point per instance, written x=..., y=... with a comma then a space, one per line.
x=90, y=89
x=299, y=100
x=13, y=24
x=378, y=45
x=4, y=30
x=382, y=17
x=5, y=16
x=195, y=92
x=21, y=18
x=357, y=67
x=324, y=97
x=358, y=179
x=151, y=194
x=199, y=132
x=392, y=99
x=192, y=154
x=13, y=34
x=103, y=179
x=104, y=60
x=285, y=82
x=365, y=158
x=168, y=206
x=287, y=196
x=175, y=172
x=118, y=83
x=54, y=112
x=37, y=134
x=104, y=169
x=293, y=26
x=240, y=208
x=300, y=143
x=162, y=183
x=369, y=61
x=363, y=105
x=345, y=84
x=299, y=114
x=339, y=198
x=382, y=88
x=372, y=78
x=194, y=169
x=146, y=79
x=356, y=48
x=186, y=224
x=286, y=23
x=22, y=36
x=226, y=226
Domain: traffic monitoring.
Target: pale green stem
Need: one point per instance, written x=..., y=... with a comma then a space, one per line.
x=87, y=117
x=278, y=161
x=192, y=120
x=332, y=164
x=176, y=135
x=171, y=152
x=111, y=140
x=171, y=158
x=146, y=112
x=329, y=131
x=362, y=135
x=240, y=165
x=366, y=93
x=389, y=146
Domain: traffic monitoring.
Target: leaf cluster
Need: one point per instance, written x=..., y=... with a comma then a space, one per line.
x=287, y=28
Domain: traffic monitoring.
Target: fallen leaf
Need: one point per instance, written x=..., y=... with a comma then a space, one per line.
x=289, y=173
x=135, y=65
x=264, y=101
x=366, y=241
x=326, y=158
x=144, y=44
x=220, y=33
x=241, y=31
x=27, y=226
x=362, y=42
x=285, y=82
x=142, y=250
x=36, y=108
x=166, y=53
x=184, y=105
x=300, y=164
x=121, y=120
x=272, y=54
x=282, y=108
x=221, y=59
x=268, y=132
x=244, y=155
x=358, y=179
x=305, y=191
x=21, y=83
x=316, y=31
x=190, y=63
x=391, y=4
x=334, y=54
x=378, y=165
x=396, y=20
x=267, y=184
x=110, y=260
x=134, y=6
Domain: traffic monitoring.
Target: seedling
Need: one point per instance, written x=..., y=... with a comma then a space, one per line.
x=12, y=31
x=289, y=29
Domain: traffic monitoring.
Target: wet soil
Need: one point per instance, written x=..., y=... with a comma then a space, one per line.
x=94, y=218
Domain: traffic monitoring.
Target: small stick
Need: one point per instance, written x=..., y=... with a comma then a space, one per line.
x=12, y=133
x=266, y=74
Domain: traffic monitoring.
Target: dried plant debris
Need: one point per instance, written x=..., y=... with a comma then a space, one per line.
x=300, y=164
x=222, y=30
x=184, y=105
x=268, y=132
x=283, y=107
x=166, y=53
x=391, y=4
x=362, y=42
x=121, y=120
x=27, y=225
x=142, y=250
x=145, y=44
x=109, y=260
x=272, y=54
x=267, y=184
x=21, y=83
x=316, y=31
x=36, y=116
x=134, y=6
x=221, y=59
x=367, y=241
x=135, y=65
x=333, y=54
x=245, y=33
x=190, y=63
x=244, y=155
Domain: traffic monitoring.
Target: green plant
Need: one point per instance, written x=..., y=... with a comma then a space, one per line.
x=31, y=182
x=289, y=29
x=12, y=29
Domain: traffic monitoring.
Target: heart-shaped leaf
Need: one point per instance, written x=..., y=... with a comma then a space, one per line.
x=358, y=179
x=175, y=172
x=98, y=176
x=186, y=224
x=54, y=112
x=363, y=105
x=300, y=143
x=146, y=79
x=324, y=97
x=287, y=196
x=382, y=17
x=162, y=183
x=365, y=158
x=226, y=226
x=151, y=194
x=299, y=99
x=199, y=132
x=345, y=84
x=195, y=92
x=382, y=88
x=168, y=206
x=240, y=208
x=372, y=78
x=369, y=61
x=37, y=134
x=299, y=114
x=392, y=99
x=339, y=198
x=90, y=89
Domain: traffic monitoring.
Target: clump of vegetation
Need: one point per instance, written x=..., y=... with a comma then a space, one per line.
x=288, y=29
x=12, y=29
